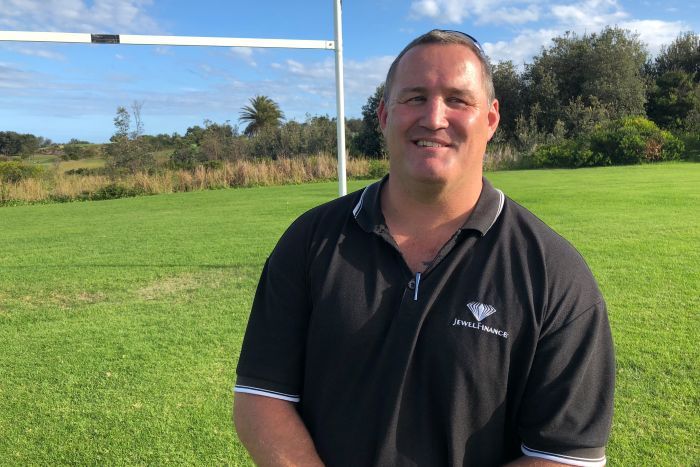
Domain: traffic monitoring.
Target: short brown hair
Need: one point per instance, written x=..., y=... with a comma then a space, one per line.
x=440, y=36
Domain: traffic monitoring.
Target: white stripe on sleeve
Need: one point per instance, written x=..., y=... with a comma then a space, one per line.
x=267, y=393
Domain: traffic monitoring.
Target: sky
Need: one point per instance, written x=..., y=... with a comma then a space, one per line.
x=64, y=91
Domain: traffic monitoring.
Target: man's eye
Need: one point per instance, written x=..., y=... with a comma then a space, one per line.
x=414, y=99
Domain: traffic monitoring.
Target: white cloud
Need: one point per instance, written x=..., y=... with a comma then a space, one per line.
x=429, y=8
x=583, y=17
x=360, y=76
x=245, y=54
x=316, y=70
x=12, y=77
x=511, y=15
x=481, y=11
x=112, y=16
x=164, y=50
x=35, y=51
x=522, y=48
x=655, y=33
x=589, y=14
x=309, y=87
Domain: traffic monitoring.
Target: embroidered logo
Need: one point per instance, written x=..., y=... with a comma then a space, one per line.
x=480, y=310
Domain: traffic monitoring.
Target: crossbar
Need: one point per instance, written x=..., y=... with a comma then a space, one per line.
x=139, y=39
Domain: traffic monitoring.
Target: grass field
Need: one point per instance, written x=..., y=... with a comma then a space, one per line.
x=121, y=321
x=51, y=161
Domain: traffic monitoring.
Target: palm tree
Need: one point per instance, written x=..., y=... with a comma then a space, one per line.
x=261, y=112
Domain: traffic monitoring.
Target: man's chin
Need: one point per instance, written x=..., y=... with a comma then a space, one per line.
x=431, y=178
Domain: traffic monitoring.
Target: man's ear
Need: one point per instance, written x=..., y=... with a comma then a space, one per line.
x=494, y=117
x=382, y=114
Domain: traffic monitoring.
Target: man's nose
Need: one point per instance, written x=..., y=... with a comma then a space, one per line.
x=435, y=114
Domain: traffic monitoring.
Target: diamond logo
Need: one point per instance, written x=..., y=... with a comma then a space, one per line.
x=480, y=310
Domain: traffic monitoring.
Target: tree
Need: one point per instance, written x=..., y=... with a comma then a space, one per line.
x=674, y=97
x=683, y=54
x=369, y=141
x=19, y=144
x=127, y=151
x=217, y=141
x=603, y=69
x=76, y=149
x=136, y=107
x=509, y=92
x=261, y=113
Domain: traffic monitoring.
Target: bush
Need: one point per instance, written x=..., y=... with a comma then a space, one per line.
x=75, y=151
x=186, y=156
x=113, y=191
x=377, y=168
x=14, y=171
x=630, y=140
x=86, y=171
x=691, y=141
x=569, y=153
x=633, y=140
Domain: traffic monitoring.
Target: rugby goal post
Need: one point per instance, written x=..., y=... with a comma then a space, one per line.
x=136, y=39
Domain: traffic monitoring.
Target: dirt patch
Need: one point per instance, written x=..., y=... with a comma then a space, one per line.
x=66, y=301
x=188, y=282
x=57, y=299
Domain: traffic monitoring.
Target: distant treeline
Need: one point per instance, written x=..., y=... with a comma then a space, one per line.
x=19, y=144
x=592, y=99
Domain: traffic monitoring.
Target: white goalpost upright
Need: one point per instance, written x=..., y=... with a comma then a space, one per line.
x=136, y=39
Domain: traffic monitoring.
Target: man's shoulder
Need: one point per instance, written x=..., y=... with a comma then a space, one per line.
x=523, y=223
x=330, y=212
x=535, y=237
x=323, y=221
x=564, y=270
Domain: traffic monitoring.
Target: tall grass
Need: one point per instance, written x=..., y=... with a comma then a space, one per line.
x=503, y=157
x=58, y=186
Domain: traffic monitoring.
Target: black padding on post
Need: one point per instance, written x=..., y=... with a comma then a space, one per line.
x=104, y=38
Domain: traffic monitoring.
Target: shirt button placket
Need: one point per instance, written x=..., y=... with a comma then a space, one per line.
x=410, y=307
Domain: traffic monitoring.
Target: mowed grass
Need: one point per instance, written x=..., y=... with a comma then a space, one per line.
x=121, y=321
x=91, y=163
x=49, y=162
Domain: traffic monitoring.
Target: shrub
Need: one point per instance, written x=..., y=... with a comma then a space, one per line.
x=113, y=191
x=691, y=141
x=14, y=171
x=630, y=140
x=75, y=151
x=186, y=156
x=633, y=140
x=568, y=153
x=85, y=171
x=377, y=168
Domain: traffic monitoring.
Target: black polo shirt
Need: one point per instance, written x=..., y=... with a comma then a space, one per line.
x=501, y=347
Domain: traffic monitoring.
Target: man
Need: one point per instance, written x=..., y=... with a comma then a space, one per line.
x=428, y=319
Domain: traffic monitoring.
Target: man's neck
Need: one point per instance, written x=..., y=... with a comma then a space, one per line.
x=421, y=221
x=422, y=207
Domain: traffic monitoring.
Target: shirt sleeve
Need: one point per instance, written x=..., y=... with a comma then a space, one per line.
x=565, y=412
x=272, y=356
x=567, y=407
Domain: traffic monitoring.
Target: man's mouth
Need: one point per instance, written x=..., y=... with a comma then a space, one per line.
x=430, y=144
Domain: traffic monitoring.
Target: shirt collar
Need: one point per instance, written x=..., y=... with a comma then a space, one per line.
x=368, y=211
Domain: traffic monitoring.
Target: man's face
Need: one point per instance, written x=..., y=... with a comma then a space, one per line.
x=438, y=120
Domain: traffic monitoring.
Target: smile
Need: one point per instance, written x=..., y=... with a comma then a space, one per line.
x=430, y=144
